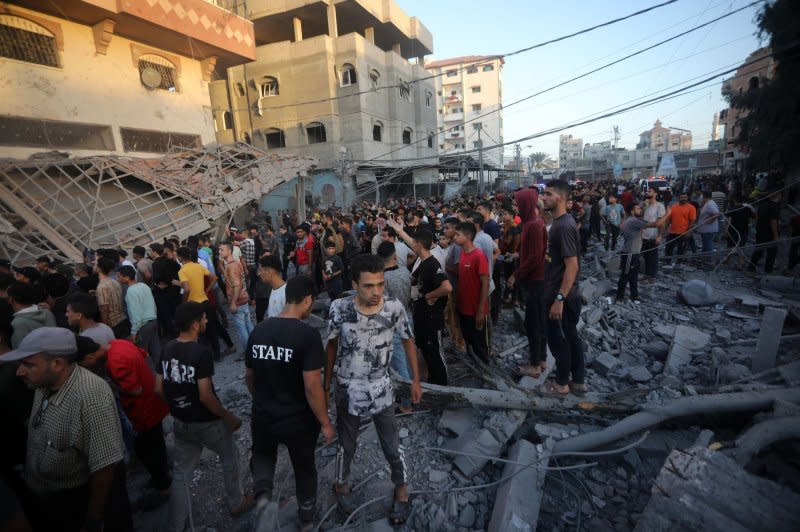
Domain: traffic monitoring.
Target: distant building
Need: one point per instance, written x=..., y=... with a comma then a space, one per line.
x=569, y=151
x=333, y=80
x=746, y=78
x=103, y=77
x=598, y=150
x=663, y=139
x=467, y=88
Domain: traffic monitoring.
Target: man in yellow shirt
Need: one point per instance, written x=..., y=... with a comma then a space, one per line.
x=197, y=282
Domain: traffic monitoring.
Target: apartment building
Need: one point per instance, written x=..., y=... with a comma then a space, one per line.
x=663, y=139
x=569, y=150
x=113, y=77
x=339, y=80
x=469, y=98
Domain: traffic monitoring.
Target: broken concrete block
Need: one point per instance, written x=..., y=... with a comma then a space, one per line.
x=458, y=421
x=732, y=373
x=639, y=374
x=686, y=340
x=665, y=330
x=697, y=293
x=769, y=338
x=593, y=315
x=476, y=441
x=437, y=477
x=504, y=423
x=593, y=334
x=780, y=283
x=518, y=499
x=605, y=364
x=723, y=334
x=656, y=349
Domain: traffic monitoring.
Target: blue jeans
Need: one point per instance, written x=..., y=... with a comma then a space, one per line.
x=399, y=361
x=708, y=241
x=242, y=323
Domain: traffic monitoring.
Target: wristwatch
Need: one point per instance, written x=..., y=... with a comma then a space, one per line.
x=560, y=297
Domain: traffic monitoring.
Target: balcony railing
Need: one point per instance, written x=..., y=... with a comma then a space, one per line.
x=453, y=117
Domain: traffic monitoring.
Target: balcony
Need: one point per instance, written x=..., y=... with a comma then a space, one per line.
x=455, y=135
x=454, y=117
x=453, y=98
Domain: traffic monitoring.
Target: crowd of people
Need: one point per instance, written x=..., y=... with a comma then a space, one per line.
x=94, y=356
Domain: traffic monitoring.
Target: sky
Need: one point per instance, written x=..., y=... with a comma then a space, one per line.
x=467, y=27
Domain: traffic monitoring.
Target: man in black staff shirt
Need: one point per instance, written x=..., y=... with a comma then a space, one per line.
x=284, y=360
x=561, y=295
x=184, y=380
x=166, y=294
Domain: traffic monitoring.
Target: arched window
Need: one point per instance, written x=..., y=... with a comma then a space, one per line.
x=348, y=75
x=27, y=41
x=315, y=132
x=374, y=78
x=247, y=138
x=269, y=87
x=430, y=140
x=377, y=132
x=428, y=99
x=240, y=88
x=405, y=90
x=407, y=136
x=156, y=72
x=227, y=120
x=274, y=138
x=752, y=83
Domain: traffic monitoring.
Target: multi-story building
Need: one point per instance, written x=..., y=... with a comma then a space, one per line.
x=569, y=150
x=665, y=139
x=469, y=101
x=598, y=150
x=104, y=77
x=746, y=78
x=334, y=80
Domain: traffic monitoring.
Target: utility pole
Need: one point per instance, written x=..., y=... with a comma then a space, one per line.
x=301, y=197
x=480, y=159
x=518, y=164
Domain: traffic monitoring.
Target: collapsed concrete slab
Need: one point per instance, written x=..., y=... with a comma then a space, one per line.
x=769, y=339
x=518, y=499
x=686, y=341
x=458, y=420
x=476, y=441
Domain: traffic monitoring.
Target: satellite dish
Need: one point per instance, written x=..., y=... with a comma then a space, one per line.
x=151, y=78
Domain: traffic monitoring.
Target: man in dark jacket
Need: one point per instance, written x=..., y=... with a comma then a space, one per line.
x=530, y=275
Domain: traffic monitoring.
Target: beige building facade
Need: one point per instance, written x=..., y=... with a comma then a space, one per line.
x=469, y=95
x=663, y=139
x=338, y=80
x=113, y=77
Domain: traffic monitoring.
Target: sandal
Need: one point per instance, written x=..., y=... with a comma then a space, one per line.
x=578, y=389
x=549, y=388
x=530, y=371
x=345, y=501
x=400, y=512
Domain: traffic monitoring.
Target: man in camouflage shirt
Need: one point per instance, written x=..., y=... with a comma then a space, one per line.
x=360, y=334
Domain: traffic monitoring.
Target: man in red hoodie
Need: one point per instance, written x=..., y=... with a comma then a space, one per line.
x=530, y=275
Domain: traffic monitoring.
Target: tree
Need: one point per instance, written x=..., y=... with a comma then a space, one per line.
x=769, y=110
x=541, y=161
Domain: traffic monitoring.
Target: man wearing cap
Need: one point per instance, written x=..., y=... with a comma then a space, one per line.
x=74, y=437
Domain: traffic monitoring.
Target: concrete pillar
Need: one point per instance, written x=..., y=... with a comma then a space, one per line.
x=369, y=34
x=421, y=60
x=333, y=26
x=298, y=29
x=769, y=339
x=396, y=48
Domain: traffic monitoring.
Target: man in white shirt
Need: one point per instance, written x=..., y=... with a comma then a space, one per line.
x=269, y=271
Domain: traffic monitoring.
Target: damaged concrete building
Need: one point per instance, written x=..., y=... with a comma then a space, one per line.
x=334, y=80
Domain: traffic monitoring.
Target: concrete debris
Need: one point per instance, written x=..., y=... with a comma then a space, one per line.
x=604, y=364
x=656, y=349
x=733, y=373
x=704, y=488
x=639, y=374
x=458, y=421
x=697, y=293
x=518, y=499
x=780, y=283
x=504, y=423
x=687, y=340
x=438, y=477
x=475, y=441
x=769, y=338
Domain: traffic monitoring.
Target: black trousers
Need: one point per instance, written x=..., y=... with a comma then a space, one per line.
x=771, y=251
x=301, y=447
x=429, y=340
x=628, y=274
x=585, y=233
x=565, y=344
x=211, y=336
x=673, y=240
x=476, y=339
x=536, y=321
x=650, y=255
x=150, y=449
x=612, y=232
x=167, y=300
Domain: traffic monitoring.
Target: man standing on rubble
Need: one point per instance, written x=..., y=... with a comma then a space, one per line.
x=651, y=237
x=360, y=334
x=561, y=295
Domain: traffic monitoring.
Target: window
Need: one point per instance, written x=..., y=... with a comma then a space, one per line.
x=377, y=132
x=155, y=141
x=316, y=133
x=428, y=99
x=247, y=138
x=348, y=75
x=27, y=41
x=155, y=72
x=476, y=107
x=406, y=136
x=269, y=87
x=452, y=73
x=374, y=78
x=472, y=69
x=405, y=90
x=430, y=140
x=477, y=125
x=35, y=133
x=476, y=88
x=240, y=88
x=476, y=144
x=274, y=138
x=488, y=68
x=227, y=120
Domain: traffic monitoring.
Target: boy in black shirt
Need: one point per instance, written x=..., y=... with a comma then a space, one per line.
x=332, y=271
x=284, y=360
x=200, y=420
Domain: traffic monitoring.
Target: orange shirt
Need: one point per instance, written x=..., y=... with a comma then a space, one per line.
x=681, y=217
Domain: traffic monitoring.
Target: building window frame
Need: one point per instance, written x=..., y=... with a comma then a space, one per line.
x=377, y=132
x=475, y=89
x=166, y=69
x=274, y=138
x=374, y=79
x=488, y=68
x=29, y=39
x=269, y=87
x=407, y=133
x=404, y=90
x=431, y=136
x=347, y=75
x=315, y=133
x=428, y=99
